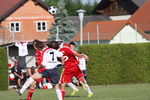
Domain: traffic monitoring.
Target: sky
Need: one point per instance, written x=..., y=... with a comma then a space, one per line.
x=84, y=1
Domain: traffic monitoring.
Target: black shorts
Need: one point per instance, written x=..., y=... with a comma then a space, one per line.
x=16, y=77
x=52, y=74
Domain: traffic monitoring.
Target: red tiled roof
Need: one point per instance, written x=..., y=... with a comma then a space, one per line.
x=107, y=30
x=142, y=16
x=9, y=6
x=5, y=5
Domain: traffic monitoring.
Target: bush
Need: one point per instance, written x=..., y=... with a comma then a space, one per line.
x=117, y=63
x=3, y=70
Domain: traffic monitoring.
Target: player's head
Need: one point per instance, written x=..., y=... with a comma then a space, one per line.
x=34, y=42
x=72, y=45
x=53, y=44
x=16, y=63
x=39, y=45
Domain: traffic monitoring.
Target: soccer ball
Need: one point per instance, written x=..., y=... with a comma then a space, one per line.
x=11, y=76
x=52, y=10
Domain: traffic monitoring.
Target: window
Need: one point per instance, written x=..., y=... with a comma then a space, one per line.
x=14, y=26
x=41, y=26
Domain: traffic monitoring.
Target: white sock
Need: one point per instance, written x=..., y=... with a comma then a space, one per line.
x=40, y=85
x=26, y=85
x=88, y=89
x=72, y=86
x=59, y=94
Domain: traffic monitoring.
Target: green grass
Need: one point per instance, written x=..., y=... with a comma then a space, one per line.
x=110, y=92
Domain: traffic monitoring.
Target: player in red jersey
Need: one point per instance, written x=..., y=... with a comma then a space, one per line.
x=50, y=58
x=71, y=68
x=38, y=57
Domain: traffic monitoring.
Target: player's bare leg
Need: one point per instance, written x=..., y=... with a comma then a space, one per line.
x=29, y=81
x=75, y=89
x=84, y=84
x=58, y=92
x=31, y=91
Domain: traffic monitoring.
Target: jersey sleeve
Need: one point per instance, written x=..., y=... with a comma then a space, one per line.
x=17, y=44
x=68, y=50
x=59, y=54
x=38, y=57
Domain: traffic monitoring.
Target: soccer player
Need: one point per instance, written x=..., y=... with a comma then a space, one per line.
x=82, y=61
x=71, y=68
x=50, y=58
x=38, y=57
x=71, y=85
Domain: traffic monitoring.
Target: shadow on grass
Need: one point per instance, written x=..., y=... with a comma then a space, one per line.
x=72, y=96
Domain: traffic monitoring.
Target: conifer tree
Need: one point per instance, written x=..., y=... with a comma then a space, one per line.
x=65, y=26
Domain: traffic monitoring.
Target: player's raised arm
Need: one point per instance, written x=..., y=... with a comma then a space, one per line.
x=81, y=55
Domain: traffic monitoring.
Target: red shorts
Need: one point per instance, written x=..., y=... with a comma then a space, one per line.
x=40, y=69
x=39, y=80
x=67, y=74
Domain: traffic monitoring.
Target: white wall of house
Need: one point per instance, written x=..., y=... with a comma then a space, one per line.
x=124, y=17
x=128, y=35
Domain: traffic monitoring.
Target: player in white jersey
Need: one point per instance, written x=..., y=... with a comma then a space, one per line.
x=50, y=58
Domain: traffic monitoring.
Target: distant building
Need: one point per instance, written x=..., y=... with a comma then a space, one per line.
x=23, y=21
x=134, y=30
x=118, y=9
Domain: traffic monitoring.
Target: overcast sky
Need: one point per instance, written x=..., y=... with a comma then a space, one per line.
x=84, y=1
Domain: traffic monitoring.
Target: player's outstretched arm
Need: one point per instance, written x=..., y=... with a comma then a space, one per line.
x=81, y=55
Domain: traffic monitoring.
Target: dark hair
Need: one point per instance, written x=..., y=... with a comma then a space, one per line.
x=36, y=40
x=72, y=43
x=39, y=45
x=53, y=44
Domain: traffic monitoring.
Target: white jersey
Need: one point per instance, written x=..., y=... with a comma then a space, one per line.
x=82, y=64
x=23, y=51
x=49, y=58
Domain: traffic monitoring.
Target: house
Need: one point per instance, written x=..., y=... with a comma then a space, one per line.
x=76, y=22
x=23, y=21
x=118, y=9
x=134, y=30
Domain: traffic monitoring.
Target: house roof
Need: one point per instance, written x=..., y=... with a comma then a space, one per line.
x=129, y=6
x=142, y=17
x=139, y=2
x=7, y=7
x=76, y=22
x=107, y=30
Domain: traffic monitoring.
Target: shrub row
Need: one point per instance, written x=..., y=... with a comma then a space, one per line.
x=3, y=70
x=117, y=63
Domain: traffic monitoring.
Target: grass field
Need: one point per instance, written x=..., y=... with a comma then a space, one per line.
x=110, y=92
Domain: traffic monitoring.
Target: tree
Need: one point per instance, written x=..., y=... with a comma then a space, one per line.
x=73, y=5
x=65, y=26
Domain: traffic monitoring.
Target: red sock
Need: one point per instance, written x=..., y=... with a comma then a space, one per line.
x=30, y=93
x=63, y=94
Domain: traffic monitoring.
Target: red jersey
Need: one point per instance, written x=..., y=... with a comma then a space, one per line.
x=38, y=57
x=69, y=55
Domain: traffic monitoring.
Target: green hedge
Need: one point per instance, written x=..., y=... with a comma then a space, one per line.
x=3, y=70
x=117, y=63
